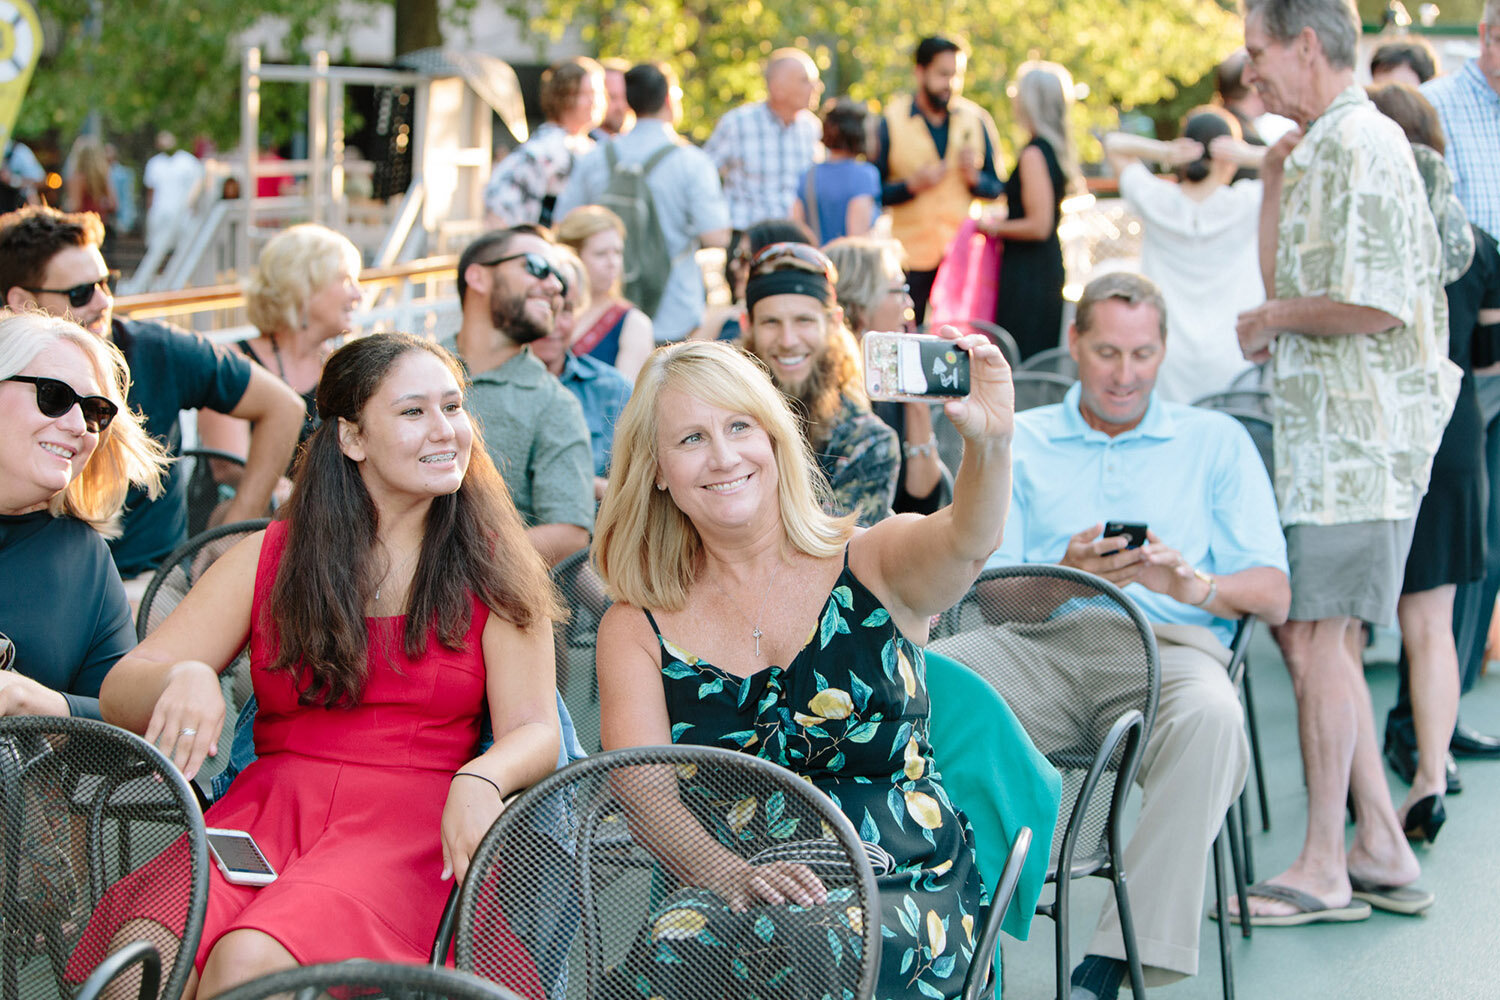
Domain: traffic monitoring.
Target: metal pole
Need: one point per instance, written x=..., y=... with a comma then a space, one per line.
x=317, y=137
x=250, y=149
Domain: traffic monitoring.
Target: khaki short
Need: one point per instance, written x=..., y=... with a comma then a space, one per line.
x=1348, y=570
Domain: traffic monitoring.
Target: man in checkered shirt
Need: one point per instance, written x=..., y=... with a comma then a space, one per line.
x=763, y=149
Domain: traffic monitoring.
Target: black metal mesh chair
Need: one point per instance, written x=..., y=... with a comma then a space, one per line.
x=212, y=478
x=1256, y=401
x=1056, y=360
x=979, y=985
x=1252, y=378
x=101, y=845
x=1077, y=662
x=608, y=879
x=367, y=980
x=583, y=593
x=999, y=336
x=174, y=578
x=1035, y=389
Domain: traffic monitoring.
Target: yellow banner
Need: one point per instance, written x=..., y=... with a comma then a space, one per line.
x=20, y=46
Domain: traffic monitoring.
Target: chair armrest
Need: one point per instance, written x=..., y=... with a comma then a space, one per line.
x=1240, y=648
x=977, y=984
x=143, y=953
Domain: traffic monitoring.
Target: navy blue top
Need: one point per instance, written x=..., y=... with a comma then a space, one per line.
x=63, y=605
x=171, y=369
x=835, y=184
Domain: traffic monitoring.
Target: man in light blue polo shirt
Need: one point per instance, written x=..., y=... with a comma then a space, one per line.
x=1113, y=451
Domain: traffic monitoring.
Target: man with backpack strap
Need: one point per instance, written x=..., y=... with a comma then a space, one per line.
x=668, y=194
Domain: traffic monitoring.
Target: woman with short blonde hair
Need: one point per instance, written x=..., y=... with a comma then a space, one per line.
x=302, y=296
x=70, y=451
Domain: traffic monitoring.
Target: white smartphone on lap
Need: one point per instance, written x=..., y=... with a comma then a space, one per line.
x=239, y=857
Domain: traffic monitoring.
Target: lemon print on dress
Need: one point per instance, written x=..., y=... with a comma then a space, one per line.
x=678, y=925
x=924, y=809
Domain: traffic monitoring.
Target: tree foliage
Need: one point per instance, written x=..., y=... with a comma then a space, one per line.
x=1128, y=53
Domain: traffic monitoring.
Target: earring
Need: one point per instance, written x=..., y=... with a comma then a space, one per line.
x=661, y=486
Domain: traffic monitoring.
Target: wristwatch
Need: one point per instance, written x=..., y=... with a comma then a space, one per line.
x=1213, y=588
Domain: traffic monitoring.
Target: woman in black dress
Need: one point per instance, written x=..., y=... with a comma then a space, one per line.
x=1030, y=300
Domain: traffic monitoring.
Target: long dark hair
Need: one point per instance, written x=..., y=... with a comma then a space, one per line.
x=473, y=543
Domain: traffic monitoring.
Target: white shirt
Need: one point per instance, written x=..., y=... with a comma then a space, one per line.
x=1204, y=255
x=172, y=180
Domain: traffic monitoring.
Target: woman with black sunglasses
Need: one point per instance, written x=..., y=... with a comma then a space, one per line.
x=69, y=451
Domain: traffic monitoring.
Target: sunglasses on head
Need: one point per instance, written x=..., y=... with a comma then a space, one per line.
x=801, y=253
x=54, y=397
x=537, y=266
x=81, y=295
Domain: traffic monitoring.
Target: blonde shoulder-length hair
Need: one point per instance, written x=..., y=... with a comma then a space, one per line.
x=126, y=454
x=646, y=549
x=292, y=268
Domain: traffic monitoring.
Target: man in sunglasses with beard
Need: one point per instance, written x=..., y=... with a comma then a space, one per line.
x=797, y=330
x=51, y=260
x=510, y=293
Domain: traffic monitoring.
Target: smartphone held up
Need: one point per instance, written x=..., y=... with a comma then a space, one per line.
x=914, y=367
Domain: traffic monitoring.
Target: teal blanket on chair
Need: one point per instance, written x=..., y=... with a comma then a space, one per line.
x=995, y=776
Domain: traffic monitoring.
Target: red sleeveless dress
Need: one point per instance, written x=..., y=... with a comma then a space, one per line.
x=346, y=803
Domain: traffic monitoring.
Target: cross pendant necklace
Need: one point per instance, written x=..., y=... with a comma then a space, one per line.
x=755, y=632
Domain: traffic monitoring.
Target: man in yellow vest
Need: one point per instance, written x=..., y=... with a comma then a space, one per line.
x=936, y=154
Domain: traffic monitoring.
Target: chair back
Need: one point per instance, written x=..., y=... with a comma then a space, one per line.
x=174, y=578
x=999, y=336
x=609, y=878
x=101, y=846
x=1257, y=401
x=1252, y=378
x=369, y=981
x=1073, y=656
x=575, y=640
x=1036, y=388
x=212, y=478
x=1056, y=360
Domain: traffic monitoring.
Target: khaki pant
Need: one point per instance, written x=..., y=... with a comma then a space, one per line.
x=1193, y=766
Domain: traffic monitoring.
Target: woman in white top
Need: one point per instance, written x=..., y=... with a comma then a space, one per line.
x=1200, y=244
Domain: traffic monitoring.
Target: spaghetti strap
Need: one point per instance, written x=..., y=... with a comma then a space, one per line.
x=654, y=627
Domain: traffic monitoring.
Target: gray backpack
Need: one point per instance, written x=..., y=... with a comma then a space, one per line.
x=648, y=265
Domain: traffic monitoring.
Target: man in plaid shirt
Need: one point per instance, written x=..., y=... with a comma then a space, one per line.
x=763, y=149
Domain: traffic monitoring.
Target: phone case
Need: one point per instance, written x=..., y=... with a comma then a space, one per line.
x=236, y=875
x=914, y=367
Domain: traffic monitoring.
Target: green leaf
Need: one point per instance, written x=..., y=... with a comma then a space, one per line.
x=820, y=681
x=942, y=967
x=679, y=729
x=929, y=990
x=868, y=831
x=836, y=762
x=744, y=693
x=775, y=806
x=844, y=596
x=764, y=928
x=864, y=732
x=677, y=670
x=860, y=692
x=877, y=618
x=830, y=625
x=836, y=947
x=888, y=660
x=784, y=827
x=741, y=737
x=710, y=687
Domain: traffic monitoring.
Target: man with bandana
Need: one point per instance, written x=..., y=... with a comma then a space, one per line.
x=798, y=332
x=936, y=155
x=510, y=293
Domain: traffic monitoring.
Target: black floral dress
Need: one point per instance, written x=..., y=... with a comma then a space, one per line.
x=850, y=713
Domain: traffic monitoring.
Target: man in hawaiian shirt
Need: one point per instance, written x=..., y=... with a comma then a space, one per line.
x=1356, y=333
x=524, y=186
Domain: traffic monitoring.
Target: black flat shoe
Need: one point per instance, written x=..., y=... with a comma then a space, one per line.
x=1424, y=819
x=1472, y=743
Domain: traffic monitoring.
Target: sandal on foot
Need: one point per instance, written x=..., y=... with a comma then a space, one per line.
x=1403, y=899
x=1310, y=909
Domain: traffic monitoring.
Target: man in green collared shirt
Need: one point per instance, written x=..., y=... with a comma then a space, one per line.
x=533, y=427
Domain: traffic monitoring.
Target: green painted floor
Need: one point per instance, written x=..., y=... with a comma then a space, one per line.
x=1449, y=953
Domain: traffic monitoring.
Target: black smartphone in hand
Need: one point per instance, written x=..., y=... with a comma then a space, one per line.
x=1134, y=533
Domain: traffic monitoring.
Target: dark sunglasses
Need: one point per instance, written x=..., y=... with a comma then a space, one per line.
x=537, y=266
x=804, y=253
x=81, y=295
x=55, y=397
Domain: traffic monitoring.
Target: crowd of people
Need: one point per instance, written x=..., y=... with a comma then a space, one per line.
x=775, y=543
